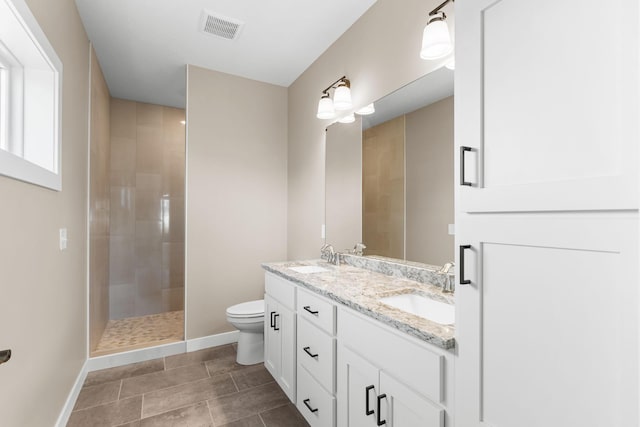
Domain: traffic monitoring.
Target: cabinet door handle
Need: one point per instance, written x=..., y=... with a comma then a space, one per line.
x=307, y=350
x=308, y=308
x=272, y=320
x=463, y=281
x=306, y=403
x=366, y=408
x=463, y=150
x=275, y=322
x=380, y=422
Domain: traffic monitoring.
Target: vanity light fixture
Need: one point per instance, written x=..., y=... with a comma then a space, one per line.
x=366, y=110
x=350, y=118
x=341, y=99
x=436, y=41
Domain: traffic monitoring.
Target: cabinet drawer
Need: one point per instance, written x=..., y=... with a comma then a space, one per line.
x=402, y=357
x=314, y=403
x=280, y=289
x=316, y=352
x=317, y=310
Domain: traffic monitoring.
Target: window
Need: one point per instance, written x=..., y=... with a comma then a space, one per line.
x=30, y=99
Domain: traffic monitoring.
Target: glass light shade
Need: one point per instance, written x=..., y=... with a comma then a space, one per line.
x=348, y=119
x=366, y=110
x=326, y=109
x=451, y=64
x=436, y=41
x=342, y=98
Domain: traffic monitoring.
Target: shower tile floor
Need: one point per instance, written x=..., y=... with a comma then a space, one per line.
x=139, y=332
x=201, y=388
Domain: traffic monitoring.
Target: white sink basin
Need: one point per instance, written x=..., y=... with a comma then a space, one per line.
x=305, y=269
x=424, y=307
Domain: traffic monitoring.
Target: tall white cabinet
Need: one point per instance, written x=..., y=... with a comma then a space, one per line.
x=547, y=135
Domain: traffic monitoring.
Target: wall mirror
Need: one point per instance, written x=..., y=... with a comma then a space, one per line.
x=389, y=175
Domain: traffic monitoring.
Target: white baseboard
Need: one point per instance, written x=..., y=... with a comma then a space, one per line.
x=63, y=418
x=134, y=356
x=212, y=341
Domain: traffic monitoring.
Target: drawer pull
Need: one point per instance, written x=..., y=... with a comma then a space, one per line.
x=307, y=350
x=380, y=422
x=306, y=403
x=463, y=281
x=366, y=408
x=272, y=321
x=308, y=308
x=275, y=322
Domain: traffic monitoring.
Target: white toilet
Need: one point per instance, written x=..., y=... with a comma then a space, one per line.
x=248, y=318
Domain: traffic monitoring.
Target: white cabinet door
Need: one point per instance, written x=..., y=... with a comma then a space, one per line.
x=547, y=328
x=286, y=322
x=279, y=345
x=358, y=390
x=272, y=338
x=547, y=102
x=402, y=407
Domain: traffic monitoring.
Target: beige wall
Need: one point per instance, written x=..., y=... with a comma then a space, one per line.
x=99, y=196
x=429, y=169
x=383, y=191
x=147, y=209
x=236, y=193
x=43, y=289
x=377, y=62
x=344, y=185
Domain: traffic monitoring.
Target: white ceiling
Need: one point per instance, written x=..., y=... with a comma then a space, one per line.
x=143, y=45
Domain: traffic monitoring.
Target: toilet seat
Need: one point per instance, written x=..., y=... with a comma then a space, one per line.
x=248, y=309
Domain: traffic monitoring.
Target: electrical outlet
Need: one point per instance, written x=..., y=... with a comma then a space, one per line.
x=323, y=234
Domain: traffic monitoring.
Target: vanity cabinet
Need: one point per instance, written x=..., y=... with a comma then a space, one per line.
x=342, y=368
x=280, y=333
x=387, y=378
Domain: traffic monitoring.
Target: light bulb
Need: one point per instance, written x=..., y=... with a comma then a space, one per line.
x=350, y=118
x=342, y=98
x=436, y=41
x=366, y=110
x=326, y=109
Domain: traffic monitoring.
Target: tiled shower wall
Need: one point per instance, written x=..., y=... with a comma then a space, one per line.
x=146, y=274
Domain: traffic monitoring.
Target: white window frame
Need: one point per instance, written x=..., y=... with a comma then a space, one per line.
x=20, y=117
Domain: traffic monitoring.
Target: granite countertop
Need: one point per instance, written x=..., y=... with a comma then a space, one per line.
x=361, y=289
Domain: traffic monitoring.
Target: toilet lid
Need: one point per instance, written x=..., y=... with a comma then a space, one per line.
x=247, y=309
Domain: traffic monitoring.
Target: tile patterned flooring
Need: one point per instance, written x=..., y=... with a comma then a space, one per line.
x=201, y=388
x=139, y=332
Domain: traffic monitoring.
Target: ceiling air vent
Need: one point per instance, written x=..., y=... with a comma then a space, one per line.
x=220, y=26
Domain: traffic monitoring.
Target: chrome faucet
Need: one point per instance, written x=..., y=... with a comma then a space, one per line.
x=445, y=268
x=358, y=249
x=449, y=283
x=327, y=253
